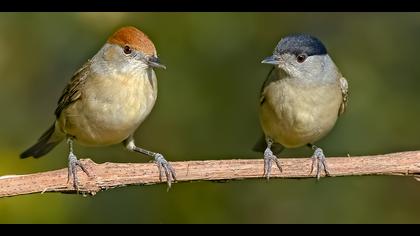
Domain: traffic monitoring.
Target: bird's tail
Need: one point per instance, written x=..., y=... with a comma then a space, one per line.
x=45, y=143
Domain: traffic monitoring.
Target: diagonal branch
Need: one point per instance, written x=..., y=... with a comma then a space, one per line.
x=112, y=175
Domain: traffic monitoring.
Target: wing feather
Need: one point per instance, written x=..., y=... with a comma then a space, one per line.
x=345, y=92
x=72, y=91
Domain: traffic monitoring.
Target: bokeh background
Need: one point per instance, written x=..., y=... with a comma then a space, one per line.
x=207, y=109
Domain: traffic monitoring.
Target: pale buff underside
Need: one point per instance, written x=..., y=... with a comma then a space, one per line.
x=294, y=115
x=110, y=109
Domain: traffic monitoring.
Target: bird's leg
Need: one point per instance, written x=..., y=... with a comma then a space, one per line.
x=73, y=164
x=318, y=159
x=160, y=161
x=269, y=157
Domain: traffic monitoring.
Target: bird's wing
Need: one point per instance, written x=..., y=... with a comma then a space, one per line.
x=72, y=91
x=345, y=92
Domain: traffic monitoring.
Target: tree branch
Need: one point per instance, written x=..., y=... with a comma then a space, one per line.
x=112, y=175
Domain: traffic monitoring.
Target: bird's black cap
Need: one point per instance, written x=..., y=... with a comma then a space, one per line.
x=300, y=43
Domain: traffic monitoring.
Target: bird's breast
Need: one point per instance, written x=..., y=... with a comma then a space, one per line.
x=111, y=108
x=295, y=113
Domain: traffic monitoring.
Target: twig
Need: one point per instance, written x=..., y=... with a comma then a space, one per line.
x=112, y=175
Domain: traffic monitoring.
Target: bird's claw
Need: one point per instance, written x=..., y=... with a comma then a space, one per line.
x=318, y=159
x=72, y=170
x=165, y=167
x=269, y=158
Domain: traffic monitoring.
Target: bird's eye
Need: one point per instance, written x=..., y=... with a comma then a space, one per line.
x=301, y=58
x=127, y=50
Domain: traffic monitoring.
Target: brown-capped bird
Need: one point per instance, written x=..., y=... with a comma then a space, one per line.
x=106, y=101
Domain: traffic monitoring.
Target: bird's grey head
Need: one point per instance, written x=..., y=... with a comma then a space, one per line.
x=301, y=56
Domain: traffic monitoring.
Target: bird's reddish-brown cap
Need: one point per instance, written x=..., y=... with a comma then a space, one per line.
x=133, y=37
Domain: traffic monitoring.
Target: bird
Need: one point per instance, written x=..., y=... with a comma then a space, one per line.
x=106, y=100
x=301, y=99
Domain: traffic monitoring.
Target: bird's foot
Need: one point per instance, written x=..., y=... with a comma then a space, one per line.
x=165, y=167
x=318, y=159
x=72, y=170
x=269, y=158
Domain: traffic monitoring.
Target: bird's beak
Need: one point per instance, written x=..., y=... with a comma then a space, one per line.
x=272, y=60
x=154, y=62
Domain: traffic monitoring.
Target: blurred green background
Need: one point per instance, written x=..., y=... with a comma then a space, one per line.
x=207, y=109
